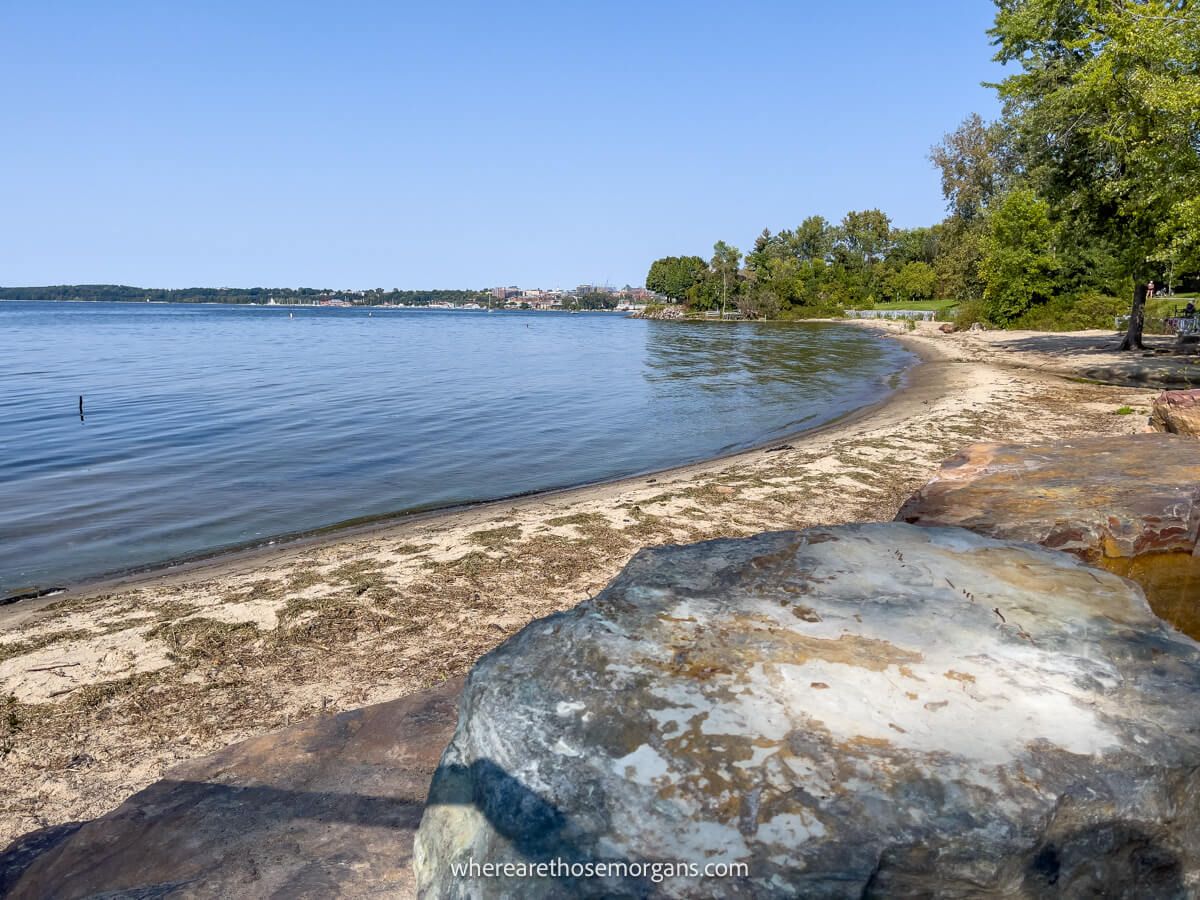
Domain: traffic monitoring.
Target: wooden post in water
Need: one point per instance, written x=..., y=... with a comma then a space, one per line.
x=81, y=407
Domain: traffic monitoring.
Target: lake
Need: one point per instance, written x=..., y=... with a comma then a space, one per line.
x=208, y=427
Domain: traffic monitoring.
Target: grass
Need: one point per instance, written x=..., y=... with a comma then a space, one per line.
x=1168, y=306
x=1125, y=411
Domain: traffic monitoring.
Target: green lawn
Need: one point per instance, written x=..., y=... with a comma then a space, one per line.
x=934, y=305
x=1167, y=306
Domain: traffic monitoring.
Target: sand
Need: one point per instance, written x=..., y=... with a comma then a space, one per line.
x=105, y=688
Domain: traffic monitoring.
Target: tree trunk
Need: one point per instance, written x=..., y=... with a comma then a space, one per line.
x=1137, y=318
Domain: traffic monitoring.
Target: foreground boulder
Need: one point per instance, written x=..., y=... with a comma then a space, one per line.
x=1130, y=504
x=323, y=809
x=868, y=710
x=1177, y=412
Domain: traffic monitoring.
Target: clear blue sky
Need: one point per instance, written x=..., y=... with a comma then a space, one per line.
x=390, y=144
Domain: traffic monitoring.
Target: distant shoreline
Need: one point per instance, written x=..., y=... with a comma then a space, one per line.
x=372, y=306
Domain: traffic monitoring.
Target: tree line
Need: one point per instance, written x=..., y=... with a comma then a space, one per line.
x=119, y=293
x=1060, y=212
x=815, y=269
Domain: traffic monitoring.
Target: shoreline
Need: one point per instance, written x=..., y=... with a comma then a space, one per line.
x=114, y=684
x=265, y=549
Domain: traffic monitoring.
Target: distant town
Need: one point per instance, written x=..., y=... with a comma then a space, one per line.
x=585, y=296
x=600, y=297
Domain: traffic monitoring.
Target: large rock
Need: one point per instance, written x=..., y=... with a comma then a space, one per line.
x=878, y=710
x=323, y=809
x=1130, y=504
x=1177, y=412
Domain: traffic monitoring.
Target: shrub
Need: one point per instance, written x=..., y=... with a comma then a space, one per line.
x=967, y=314
x=1074, y=314
x=813, y=312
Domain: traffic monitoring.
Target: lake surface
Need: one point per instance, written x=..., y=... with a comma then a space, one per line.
x=215, y=426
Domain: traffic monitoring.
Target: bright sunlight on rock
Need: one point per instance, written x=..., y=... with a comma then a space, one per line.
x=884, y=709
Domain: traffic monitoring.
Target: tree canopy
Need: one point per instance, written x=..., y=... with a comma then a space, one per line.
x=675, y=276
x=1087, y=186
x=1105, y=113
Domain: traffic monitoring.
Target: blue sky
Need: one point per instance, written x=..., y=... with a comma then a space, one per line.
x=391, y=144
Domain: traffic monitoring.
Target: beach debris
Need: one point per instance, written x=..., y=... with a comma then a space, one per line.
x=67, y=665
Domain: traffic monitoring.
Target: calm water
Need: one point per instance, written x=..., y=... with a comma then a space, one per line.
x=214, y=426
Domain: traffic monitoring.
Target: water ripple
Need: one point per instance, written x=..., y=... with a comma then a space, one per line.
x=209, y=426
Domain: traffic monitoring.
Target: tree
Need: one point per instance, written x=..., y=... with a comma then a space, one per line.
x=725, y=262
x=865, y=236
x=914, y=245
x=1018, y=267
x=1106, y=117
x=913, y=281
x=862, y=241
x=675, y=276
x=960, y=251
x=812, y=240
x=976, y=163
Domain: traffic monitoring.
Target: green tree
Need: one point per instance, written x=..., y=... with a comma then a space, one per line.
x=1018, y=266
x=914, y=281
x=914, y=245
x=976, y=163
x=865, y=237
x=960, y=251
x=725, y=263
x=1106, y=114
x=812, y=240
x=675, y=276
x=863, y=240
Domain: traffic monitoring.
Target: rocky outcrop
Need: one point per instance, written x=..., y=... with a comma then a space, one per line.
x=670, y=312
x=323, y=809
x=1177, y=412
x=1129, y=504
x=879, y=710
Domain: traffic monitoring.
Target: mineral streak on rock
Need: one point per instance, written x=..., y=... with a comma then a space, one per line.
x=1131, y=505
x=868, y=710
x=1177, y=412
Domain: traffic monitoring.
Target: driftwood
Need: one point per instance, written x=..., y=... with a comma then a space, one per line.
x=52, y=668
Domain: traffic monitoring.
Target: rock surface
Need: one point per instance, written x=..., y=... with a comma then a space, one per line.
x=878, y=710
x=1177, y=412
x=1131, y=505
x=327, y=808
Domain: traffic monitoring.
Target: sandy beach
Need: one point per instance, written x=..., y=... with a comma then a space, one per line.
x=104, y=688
